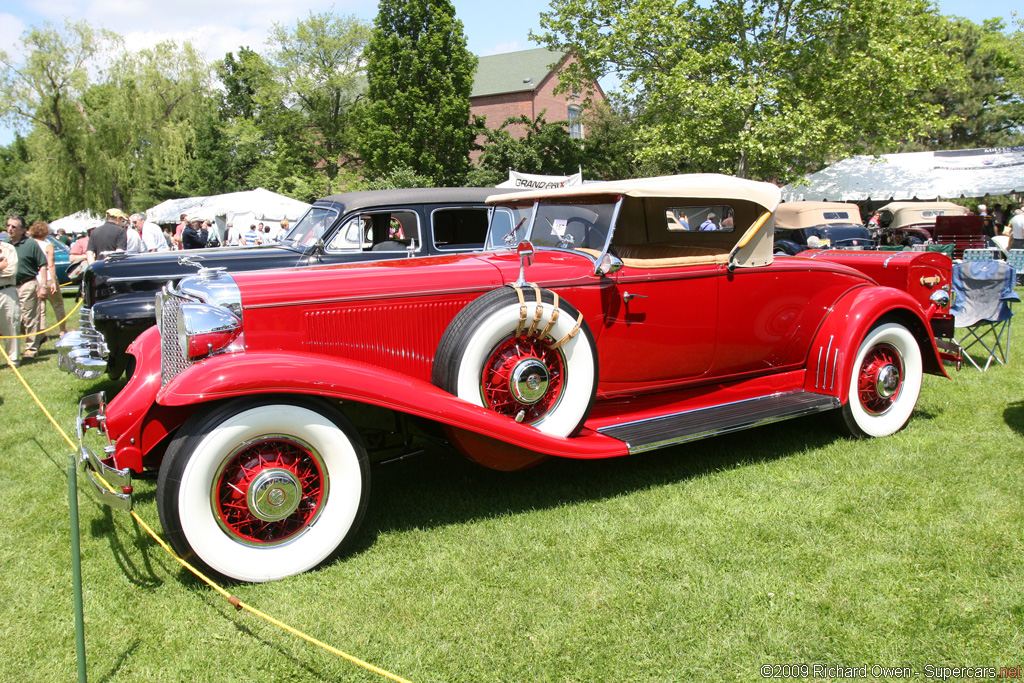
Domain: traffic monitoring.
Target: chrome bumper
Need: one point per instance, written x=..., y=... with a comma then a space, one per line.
x=84, y=351
x=110, y=486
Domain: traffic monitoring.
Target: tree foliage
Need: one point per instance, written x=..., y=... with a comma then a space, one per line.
x=988, y=109
x=760, y=88
x=310, y=103
x=541, y=147
x=104, y=122
x=419, y=76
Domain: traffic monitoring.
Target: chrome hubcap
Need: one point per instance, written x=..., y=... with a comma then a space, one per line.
x=888, y=381
x=274, y=494
x=529, y=381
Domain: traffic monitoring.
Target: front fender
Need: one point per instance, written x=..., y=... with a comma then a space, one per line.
x=835, y=346
x=249, y=374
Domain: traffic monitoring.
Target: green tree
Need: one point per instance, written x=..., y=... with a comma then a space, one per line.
x=231, y=141
x=420, y=76
x=14, y=197
x=988, y=109
x=545, y=148
x=104, y=123
x=759, y=88
x=309, y=105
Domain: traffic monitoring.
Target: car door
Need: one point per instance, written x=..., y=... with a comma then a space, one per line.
x=660, y=324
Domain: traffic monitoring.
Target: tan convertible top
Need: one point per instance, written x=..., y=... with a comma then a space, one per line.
x=690, y=186
x=797, y=215
x=912, y=213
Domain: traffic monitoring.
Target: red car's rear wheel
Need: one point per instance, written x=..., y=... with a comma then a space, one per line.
x=885, y=382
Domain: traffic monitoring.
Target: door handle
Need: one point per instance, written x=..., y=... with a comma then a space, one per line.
x=626, y=296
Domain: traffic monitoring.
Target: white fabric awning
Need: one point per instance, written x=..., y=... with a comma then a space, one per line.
x=259, y=204
x=915, y=175
x=77, y=222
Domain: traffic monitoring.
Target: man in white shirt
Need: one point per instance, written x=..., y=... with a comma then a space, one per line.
x=135, y=245
x=234, y=238
x=152, y=236
x=1017, y=230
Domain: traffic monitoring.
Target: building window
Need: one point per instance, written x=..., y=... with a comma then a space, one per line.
x=575, y=122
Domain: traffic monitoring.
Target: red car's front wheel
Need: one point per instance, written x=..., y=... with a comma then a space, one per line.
x=260, y=489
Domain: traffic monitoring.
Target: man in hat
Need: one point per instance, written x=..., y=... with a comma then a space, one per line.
x=108, y=237
x=194, y=236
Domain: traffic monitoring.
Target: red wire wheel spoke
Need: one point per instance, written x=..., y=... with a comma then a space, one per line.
x=880, y=379
x=517, y=359
x=269, y=491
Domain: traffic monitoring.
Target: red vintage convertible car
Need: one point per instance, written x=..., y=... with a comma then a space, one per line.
x=610, y=325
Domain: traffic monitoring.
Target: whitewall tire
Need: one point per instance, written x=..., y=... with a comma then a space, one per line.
x=257, y=490
x=481, y=359
x=885, y=382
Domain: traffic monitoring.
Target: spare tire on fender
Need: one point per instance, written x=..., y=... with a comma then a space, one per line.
x=535, y=363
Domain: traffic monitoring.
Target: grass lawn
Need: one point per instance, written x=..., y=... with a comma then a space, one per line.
x=776, y=546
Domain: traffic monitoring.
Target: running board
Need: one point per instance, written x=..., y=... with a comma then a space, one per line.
x=647, y=435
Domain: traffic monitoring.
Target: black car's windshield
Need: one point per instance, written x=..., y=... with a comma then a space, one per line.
x=312, y=226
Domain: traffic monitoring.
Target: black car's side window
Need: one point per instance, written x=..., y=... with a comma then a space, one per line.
x=390, y=230
x=459, y=229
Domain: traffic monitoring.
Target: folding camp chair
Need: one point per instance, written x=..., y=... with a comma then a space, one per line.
x=982, y=307
x=978, y=254
x=1015, y=258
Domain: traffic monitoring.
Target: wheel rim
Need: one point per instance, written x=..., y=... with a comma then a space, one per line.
x=881, y=379
x=523, y=379
x=269, y=490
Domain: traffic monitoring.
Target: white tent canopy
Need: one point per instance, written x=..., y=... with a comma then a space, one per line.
x=77, y=222
x=915, y=175
x=240, y=208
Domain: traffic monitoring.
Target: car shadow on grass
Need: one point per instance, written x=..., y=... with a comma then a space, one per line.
x=443, y=488
x=1014, y=417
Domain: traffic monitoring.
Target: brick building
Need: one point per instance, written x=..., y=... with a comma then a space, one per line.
x=515, y=83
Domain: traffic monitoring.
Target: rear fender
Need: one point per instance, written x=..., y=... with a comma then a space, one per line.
x=231, y=376
x=835, y=346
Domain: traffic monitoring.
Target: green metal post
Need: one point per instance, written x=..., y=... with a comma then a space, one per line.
x=76, y=567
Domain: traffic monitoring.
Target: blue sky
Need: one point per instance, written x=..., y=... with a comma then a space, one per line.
x=219, y=26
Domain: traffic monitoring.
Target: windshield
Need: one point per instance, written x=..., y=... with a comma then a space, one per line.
x=581, y=224
x=312, y=226
x=503, y=220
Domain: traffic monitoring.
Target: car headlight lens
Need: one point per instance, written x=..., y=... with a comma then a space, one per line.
x=206, y=330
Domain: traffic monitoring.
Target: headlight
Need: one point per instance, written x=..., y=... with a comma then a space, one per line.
x=206, y=330
x=940, y=298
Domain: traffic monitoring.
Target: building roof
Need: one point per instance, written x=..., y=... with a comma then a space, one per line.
x=514, y=71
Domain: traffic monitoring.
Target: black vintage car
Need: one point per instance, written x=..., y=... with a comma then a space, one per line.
x=119, y=291
x=814, y=225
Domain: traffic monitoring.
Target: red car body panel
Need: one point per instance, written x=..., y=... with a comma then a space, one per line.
x=684, y=340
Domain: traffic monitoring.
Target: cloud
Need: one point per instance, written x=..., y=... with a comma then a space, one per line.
x=11, y=28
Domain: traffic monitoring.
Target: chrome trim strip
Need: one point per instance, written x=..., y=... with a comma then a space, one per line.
x=817, y=368
x=832, y=380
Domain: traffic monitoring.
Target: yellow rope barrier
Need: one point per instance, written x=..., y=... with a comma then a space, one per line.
x=238, y=604
x=48, y=329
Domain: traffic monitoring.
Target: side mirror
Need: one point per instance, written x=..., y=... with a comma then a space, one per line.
x=411, y=249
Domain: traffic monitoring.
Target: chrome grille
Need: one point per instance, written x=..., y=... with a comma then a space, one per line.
x=172, y=362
